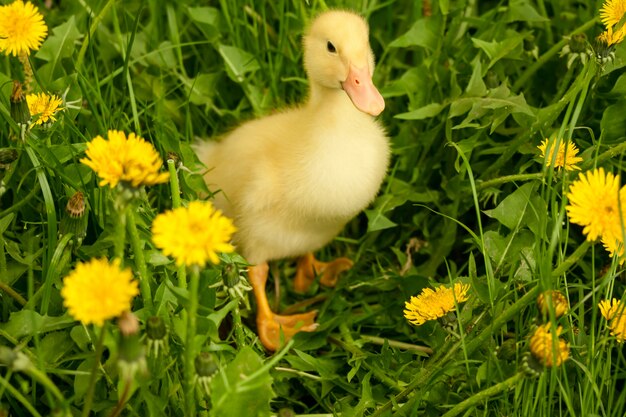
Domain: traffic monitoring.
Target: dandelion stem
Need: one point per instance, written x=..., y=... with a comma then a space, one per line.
x=190, y=351
x=123, y=398
x=120, y=234
x=140, y=262
x=484, y=395
x=239, y=335
x=424, y=376
x=508, y=178
x=397, y=344
x=95, y=370
x=174, y=185
x=176, y=203
x=12, y=293
x=608, y=154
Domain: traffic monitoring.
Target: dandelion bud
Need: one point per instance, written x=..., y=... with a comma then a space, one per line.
x=230, y=275
x=206, y=368
x=156, y=333
x=507, y=350
x=128, y=324
x=19, y=105
x=74, y=220
x=552, y=299
x=205, y=365
x=578, y=43
x=548, y=351
x=131, y=354
x=155, y=328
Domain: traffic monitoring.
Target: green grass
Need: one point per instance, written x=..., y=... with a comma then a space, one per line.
x=471, y=91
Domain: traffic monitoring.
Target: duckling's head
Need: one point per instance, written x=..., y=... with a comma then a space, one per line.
x=337, y=54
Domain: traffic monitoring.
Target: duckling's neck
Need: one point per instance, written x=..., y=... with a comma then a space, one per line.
x=333, y=100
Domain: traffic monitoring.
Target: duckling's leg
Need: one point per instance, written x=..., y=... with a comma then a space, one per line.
x=274, y=328
x=309, y=267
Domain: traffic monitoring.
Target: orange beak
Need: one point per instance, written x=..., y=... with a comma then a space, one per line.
x=362, y=92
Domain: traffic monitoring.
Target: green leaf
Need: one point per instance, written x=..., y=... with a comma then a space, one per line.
x=242, y=388
x=495, y=245
x=496, y=50
x=324, y=367
x=513, y=208
x=202, y=88
x=366, y=400
x=426, y=112
x=238, y=62
x=5, y=222
x=613, y=124
x=62, y=42
x=476, y=86
x=521, y=10
x=425, y=32
x=376, y=217
x=208, y=20
x=28, y=323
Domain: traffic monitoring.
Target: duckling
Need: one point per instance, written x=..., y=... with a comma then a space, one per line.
x=292, y=180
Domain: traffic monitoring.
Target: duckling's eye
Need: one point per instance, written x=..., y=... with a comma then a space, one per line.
x=331, y=48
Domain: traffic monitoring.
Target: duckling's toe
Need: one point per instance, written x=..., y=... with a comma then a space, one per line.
x=309, y=267
x=275, y=329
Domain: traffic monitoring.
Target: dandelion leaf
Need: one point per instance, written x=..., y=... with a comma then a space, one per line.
x=365, y=402
x=240, y=389
x=424, y=32
x=62, y=42
x=523, y=11
x=28, y=323
x=238, y=62
x=518, y=209
x=426, y=112
x=613, y=124
x=208, y=19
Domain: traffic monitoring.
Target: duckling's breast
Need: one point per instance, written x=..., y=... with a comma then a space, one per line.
x=347, y=166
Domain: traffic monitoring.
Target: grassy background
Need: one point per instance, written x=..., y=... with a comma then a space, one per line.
x=471, y=89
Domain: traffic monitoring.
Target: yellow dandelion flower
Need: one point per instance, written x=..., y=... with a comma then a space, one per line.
x=22, y=28
x=431, y=304
x=593, y=199
x=129, y=160
x=98, y=290
x=612, y=12
x=193, y=235
x=615, y=314
x=44, y=107
x=610, y=37
x=552, y=298
x=542, y=346
x=567, y=160
x=615, y=246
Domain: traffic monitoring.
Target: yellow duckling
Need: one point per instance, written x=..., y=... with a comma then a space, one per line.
x=292, y=180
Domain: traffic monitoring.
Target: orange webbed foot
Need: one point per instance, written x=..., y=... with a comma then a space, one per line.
x=309, y=267
x=275, y=329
